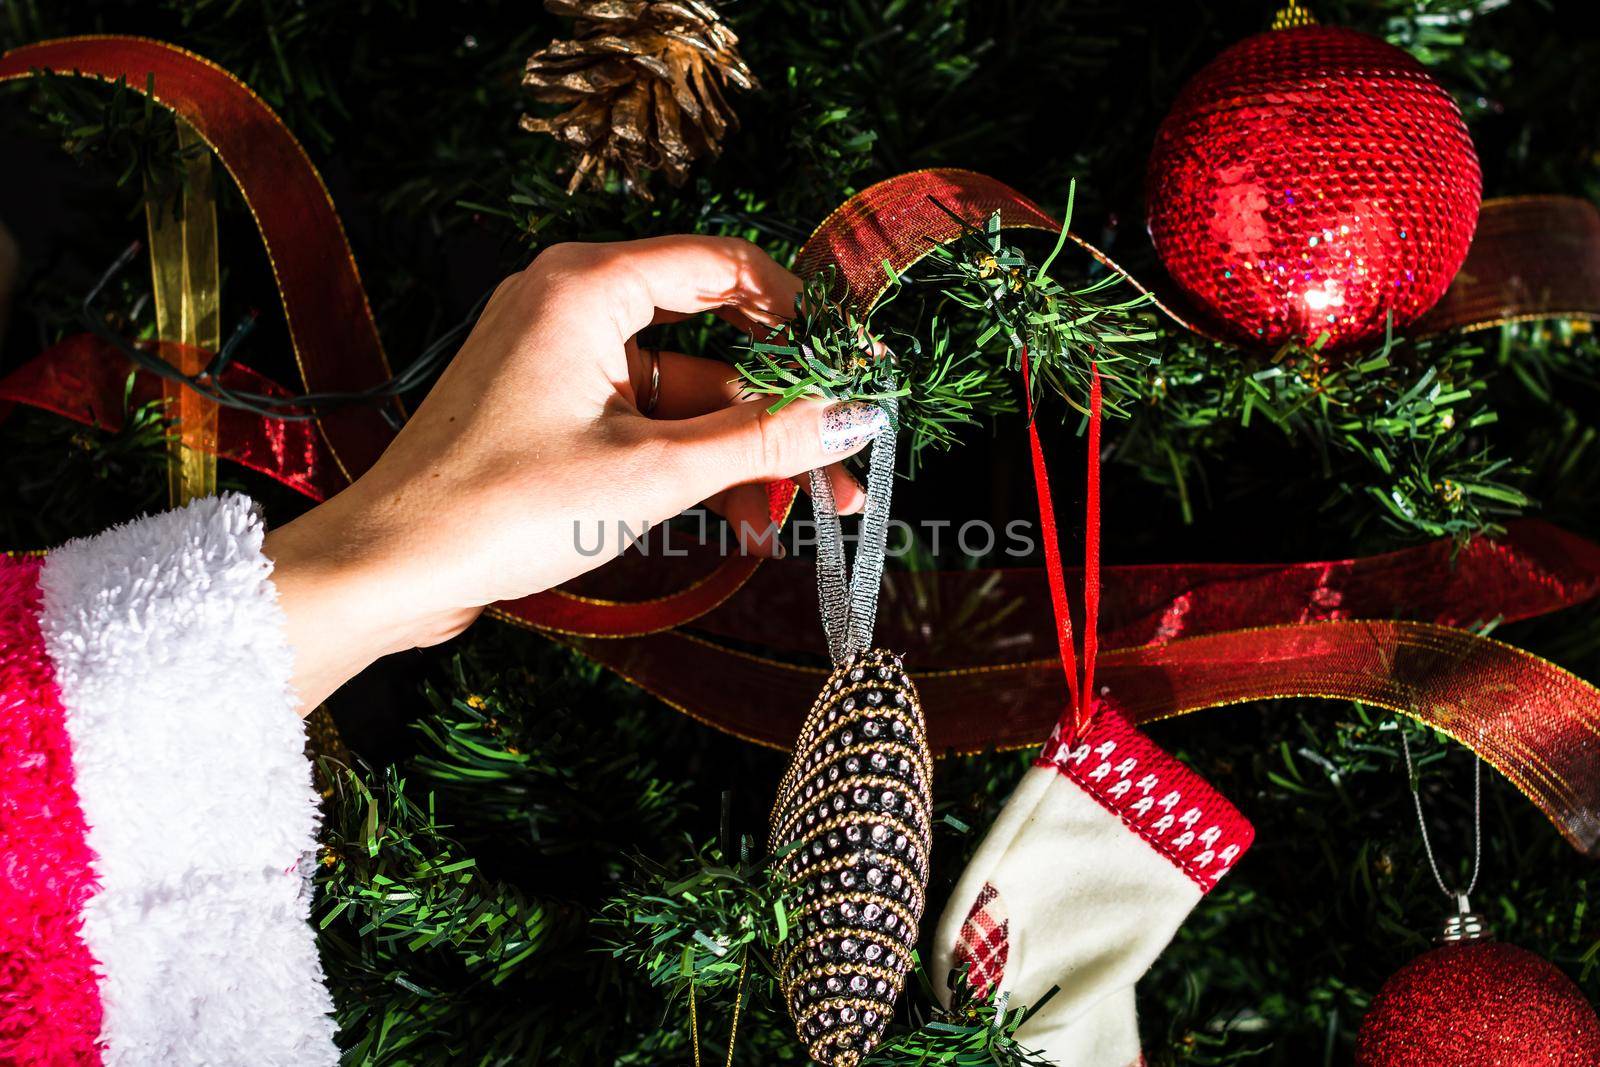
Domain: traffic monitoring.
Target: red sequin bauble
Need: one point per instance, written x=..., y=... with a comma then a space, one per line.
x=1479, y=1004
x=1313, y=179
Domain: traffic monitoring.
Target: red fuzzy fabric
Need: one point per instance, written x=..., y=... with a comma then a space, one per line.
x=49, y=992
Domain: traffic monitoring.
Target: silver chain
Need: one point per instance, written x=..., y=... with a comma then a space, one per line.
x=849, y=601
x=1477, y=824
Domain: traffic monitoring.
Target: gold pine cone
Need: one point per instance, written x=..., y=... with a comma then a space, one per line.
x=644, y=80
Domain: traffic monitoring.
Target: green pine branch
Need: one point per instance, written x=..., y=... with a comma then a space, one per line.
x=706, y=923
x=830, y=351
x=1403, y=427
x=1022, y=306
x=972, y=1030
x=944, y=384
x=388, y=868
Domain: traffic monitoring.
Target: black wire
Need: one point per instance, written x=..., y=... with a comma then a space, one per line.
x=301, y=408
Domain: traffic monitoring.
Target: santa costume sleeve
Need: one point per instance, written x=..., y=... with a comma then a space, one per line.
x=1105, y=847
x=156, y=807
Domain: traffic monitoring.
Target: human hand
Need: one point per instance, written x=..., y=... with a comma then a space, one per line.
x=535, y=432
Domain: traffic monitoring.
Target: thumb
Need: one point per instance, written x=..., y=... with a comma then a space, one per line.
x=746, y=443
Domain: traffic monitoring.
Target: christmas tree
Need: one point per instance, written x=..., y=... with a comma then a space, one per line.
x=527, y=859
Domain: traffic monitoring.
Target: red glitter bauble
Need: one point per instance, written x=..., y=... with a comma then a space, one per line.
x=1479, y=1004
x=1313, y=180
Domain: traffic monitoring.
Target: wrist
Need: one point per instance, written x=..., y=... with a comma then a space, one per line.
x=344, y=590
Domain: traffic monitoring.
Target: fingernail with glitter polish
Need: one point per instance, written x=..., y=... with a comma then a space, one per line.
x=848, y=425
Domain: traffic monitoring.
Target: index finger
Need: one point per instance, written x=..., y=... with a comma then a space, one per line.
x=627, y=283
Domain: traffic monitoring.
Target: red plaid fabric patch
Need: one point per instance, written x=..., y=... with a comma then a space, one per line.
x=985, y=942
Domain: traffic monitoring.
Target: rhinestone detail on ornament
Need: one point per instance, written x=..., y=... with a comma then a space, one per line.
x=855, y=807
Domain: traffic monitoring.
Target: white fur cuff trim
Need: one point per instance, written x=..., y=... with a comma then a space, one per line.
x=187, y=747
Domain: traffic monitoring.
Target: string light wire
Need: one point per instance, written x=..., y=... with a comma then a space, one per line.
x=296, y=408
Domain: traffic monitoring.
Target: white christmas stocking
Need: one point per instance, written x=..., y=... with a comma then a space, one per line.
x=1104, y=848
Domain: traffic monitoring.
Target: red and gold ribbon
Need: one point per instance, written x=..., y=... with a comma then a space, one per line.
x=1534, y=722
x=1181, y=637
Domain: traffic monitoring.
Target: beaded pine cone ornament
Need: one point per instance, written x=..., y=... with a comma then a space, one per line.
x=854, y=805
x=643, y=82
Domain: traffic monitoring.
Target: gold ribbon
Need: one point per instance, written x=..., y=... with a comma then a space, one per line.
x=185, y=276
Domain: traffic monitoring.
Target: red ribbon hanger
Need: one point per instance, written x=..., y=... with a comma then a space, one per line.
x=1084, y=698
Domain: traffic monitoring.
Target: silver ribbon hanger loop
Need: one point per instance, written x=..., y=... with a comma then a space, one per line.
x=849, y=601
